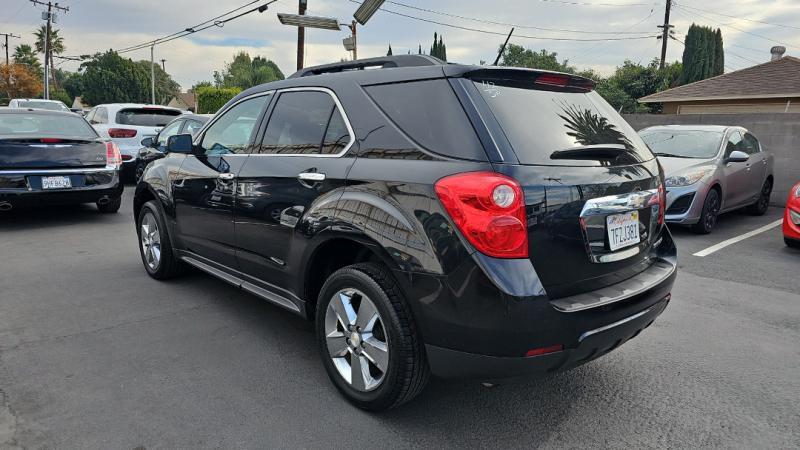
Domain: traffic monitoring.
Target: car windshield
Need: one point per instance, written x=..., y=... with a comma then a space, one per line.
x=146, y=117
x=52, y=106
x=13, y=125
x=683, y=143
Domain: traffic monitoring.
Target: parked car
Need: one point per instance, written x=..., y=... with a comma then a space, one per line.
x=791, y=218
x=38, y=103
x=153, y=148
x=49, y=157
x=127, y=124
x=711, y=170
x=429, y=223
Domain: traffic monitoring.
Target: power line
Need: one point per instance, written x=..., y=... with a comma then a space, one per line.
x=727, y=25
x=508, y=24
x=565, y=2
x=742, y=18
x=595, y=46
x=498, y=33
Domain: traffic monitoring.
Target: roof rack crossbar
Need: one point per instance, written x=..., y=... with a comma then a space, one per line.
x=384, y=62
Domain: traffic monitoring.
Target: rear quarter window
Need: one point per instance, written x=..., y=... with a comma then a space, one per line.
x=431, y=115
x=545, y=126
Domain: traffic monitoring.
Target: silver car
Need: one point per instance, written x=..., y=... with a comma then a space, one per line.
x=710, y=170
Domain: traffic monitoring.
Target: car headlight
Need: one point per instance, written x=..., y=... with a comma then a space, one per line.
x=797, y=192
x=687, y=178
x=795, y=216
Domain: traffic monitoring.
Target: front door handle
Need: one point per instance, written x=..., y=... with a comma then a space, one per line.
x=227, y=176
x=311, y=176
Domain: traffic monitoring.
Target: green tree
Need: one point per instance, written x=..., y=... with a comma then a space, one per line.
x=54, y=47
x=438, y=49
x=389, y=53
x=24, y=54
x=703, y=54
x=110, y=78
x=166, y=87
x=72, y=82
x=244, y=72
x=518, y=56
x=632, y=81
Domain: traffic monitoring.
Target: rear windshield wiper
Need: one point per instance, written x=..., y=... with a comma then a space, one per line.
x=670, y=155
x=598, y=151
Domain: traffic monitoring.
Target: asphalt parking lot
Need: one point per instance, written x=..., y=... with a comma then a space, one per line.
x=96, y=355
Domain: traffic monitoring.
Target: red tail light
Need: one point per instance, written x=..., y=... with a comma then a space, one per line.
x=544, y=350
x=127, y=157
x=50, y=140
x=659, y=200
x=121, y=132
x=113, y=157
x=553, y=80
x=489, y=210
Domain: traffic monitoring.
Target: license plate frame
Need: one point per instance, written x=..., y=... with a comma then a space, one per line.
x=623, y=230
x=56, y=182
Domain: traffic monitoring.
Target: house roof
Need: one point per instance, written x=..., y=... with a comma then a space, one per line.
x=774, y=79
x=187, y=98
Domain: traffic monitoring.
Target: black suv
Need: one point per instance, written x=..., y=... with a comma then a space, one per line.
x=454, y=220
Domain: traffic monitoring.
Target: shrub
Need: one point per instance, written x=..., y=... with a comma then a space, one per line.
x=211, y=99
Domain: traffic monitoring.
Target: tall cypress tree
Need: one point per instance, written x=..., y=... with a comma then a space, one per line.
x=389, y=53
x=719, y=63
x=703, y=55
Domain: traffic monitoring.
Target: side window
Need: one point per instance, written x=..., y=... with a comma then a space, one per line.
x=101, y=116
x=751, y=144
x=170, y=130
x=231, y=133
x=90, y=115
x=301, y=121
x=734, y=143
x=192, y=127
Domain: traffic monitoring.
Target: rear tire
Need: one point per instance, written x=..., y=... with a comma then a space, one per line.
x=759, y=208
x=390, y=378
x=708, y=218
x=791, y=243
x=155, y=245
x=111, y=207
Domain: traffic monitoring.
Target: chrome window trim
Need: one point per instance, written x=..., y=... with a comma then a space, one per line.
x=341, y=111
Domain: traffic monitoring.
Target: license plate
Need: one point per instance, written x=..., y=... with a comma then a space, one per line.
x=56, y=182
x=623, y=230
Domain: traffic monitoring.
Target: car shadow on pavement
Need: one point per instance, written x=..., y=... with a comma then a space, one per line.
x=53, y=216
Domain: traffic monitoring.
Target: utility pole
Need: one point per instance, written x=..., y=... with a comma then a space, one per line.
x=301, y=34
x=352, y=27
x=665, y=33
x=50, y=16
x=163, y=66
x=152, y=77
x=8, y=35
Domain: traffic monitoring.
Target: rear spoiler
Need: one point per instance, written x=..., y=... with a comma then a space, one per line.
x=532, y=78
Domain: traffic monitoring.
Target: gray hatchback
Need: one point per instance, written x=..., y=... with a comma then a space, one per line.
x=710, y=170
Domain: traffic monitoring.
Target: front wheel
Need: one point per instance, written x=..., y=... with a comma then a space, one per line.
x=368, y=340
x=759, y=208
x=155, y=245
x=708, y=218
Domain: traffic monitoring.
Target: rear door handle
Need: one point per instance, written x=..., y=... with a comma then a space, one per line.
x=227, y=176
x=311, y=176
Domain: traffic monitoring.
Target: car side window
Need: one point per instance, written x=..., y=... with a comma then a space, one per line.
x=100, y=116
x=734, y=143
x=750, y=144
x=170, y=130
x=231, y=132
x=90, y=115
x=305, y=122
x=192, y=127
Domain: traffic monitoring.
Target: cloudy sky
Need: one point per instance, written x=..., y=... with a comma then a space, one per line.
x=750, y=28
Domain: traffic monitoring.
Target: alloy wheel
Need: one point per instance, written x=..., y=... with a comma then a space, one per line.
x=150, y=238
x=763, y=201
x=356, y=339
x=713, y=211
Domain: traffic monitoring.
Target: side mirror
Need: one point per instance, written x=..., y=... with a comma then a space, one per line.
x=180, y=143
x=147, y=142
x=737, y=156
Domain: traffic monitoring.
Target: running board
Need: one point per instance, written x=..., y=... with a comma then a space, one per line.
x=243, y=285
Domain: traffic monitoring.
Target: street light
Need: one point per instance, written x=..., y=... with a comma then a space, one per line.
x=326, y=23
x=366, y=10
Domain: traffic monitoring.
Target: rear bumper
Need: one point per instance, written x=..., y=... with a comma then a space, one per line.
x=24, y=189
x=592, y=344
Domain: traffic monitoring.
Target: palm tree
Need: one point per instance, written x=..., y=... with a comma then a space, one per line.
x=55, y=46
x=24, y=54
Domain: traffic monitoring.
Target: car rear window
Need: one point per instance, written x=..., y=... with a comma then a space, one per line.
x=430, y=114
x=146, y=117
x=45, y=125
x=552, y=127
x=52, y=106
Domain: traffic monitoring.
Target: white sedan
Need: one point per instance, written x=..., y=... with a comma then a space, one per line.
x=127, y=124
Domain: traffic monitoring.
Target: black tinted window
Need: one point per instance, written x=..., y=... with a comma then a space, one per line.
x=232, y=131
x=429, y=113
x=337, y=136
x=146, y=117
x=45, y=125
x=547, y=127
x=299, y=123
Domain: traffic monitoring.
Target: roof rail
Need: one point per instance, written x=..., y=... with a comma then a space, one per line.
x=383, y=62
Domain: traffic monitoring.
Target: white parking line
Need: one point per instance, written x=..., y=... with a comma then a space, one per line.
x=731, y=241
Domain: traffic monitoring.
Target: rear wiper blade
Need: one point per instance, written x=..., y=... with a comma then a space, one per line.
x=670, y=155
x=598, y=151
